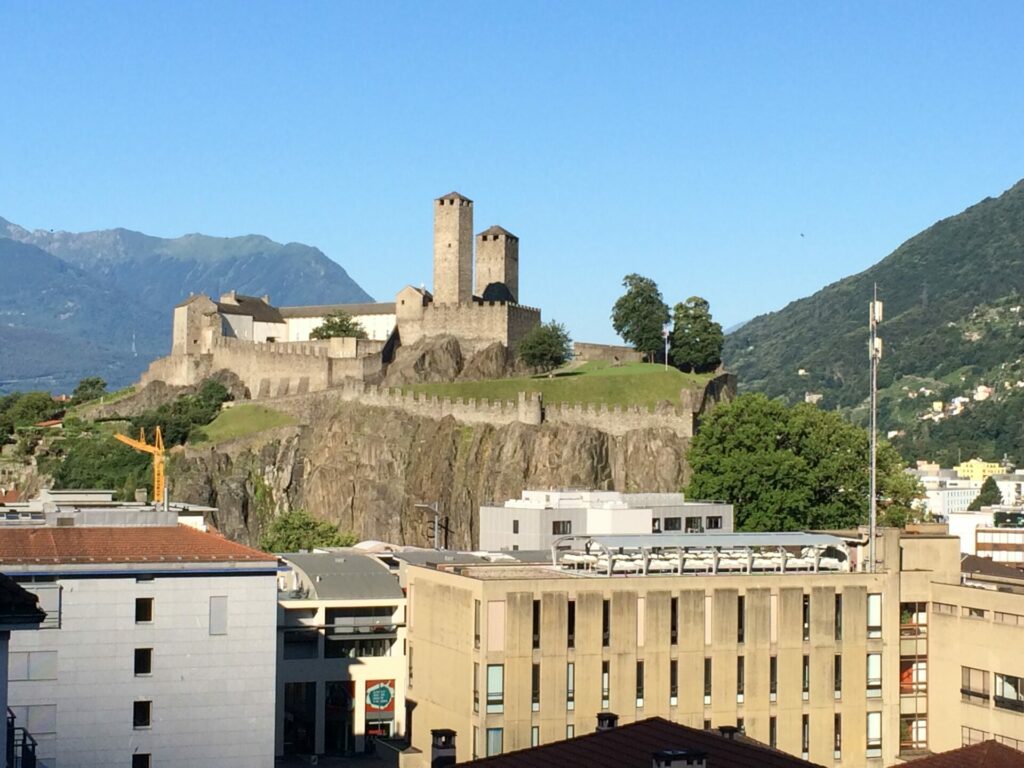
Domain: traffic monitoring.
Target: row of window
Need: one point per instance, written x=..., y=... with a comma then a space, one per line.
x=692, y=525
x=495, y=737
x=1008, y=691
x=971, y=612
x=874, y=620
x=144, y=611
x=495, y=685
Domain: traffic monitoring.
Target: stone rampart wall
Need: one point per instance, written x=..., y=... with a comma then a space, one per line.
x=474, y=325
x=585, y=352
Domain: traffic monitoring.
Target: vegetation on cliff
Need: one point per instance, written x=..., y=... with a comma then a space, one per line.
x=793, y=468
x=298, y=530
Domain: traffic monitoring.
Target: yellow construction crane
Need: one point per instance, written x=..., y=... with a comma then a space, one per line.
x=156, y=450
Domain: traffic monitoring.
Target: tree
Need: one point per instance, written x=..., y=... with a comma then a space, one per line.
x=696, y=338
x=793, y=468
x=640, y=314
x=338, y=324
x=89, y=388
x=987, y=496
x=546, y=346
x=32, y=407
x=297, y=530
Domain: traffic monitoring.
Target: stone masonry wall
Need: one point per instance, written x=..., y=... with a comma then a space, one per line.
x=585, y=352
x=475, y=325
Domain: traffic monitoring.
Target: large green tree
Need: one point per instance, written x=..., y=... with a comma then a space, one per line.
x=987, y=496
x=640, y=314
x=298, y=529
x=696, y=338
x=89, y=388
x=338, y=324
x=792, y=468
x=546, y=346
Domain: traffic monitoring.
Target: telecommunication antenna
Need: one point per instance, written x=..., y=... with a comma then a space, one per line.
x=875, y=353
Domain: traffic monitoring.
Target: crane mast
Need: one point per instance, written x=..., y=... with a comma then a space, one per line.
x=156, y=450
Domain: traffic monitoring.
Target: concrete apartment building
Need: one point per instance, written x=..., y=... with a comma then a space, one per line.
x=539, y=517
x=341, y=654
x=158, y=647
x=704, y=630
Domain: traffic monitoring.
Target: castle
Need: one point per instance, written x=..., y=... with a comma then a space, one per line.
x=269, y=348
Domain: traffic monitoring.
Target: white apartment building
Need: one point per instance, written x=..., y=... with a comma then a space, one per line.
x=158, y=647
x=535, y=520
x=341, y=654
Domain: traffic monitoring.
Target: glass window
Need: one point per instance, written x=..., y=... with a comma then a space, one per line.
x=973, y=613
x=874, y=681
x=570, y=686
x=673, y=523
x=740, y=677
x=773, y=677
x=806, y=676
x=535, y=688
x=141, y=760
x=570, y=731
x=536, y=623
x=494, y=741
x=495, y=688
x=837, y=673
x=534, y=735
x=639, y=683
x=218, y=614
x=874, y=615
x=714, y=522
x=143, y=661
x=143, y=610
x=605, y=684
x=741, y=619
x=655, y=525
x=773, y=732
x=839, y=617
x=605, y=623
x=805, y=735
x=476, y=687
x=707, y=680
x=1008, y=693
x=142, y=714
x=515, y=526
x=695, y=525
x=807, y=617
x=476, y=623
x=974, y=685
x=673, y=682
x=837, y=734
x=570, y=625
x=561, y=527
x=674, y=621
x=874, y=734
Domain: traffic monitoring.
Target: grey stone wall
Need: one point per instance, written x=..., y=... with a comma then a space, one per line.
x=585, y=352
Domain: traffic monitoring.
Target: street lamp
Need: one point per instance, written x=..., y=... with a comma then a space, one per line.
x=437, y=521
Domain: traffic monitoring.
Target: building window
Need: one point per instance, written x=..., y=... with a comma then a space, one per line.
x=741, y=619
x=773, y=732
x=534, y=735
x=495, y=688
x=476, y=687
x=674, y=621
x=740, y=678
x=605, y=684
x=694, y=525
x=143, y=661
x=874, y=734
x=142, y=760
x=807, y=617
x=773, y=677
x=1008, y=693
x=673, y=682
x=639, y=683
x=973, y=613
x=714, y=522
x=570, y=625
x=839, y=617
x=570, y=731
x=494, y=741
x=606, y=618
x=874, y=681
x=561, y=527
x=142, y=714
x=673, y=523
x=913, y=732
x=806, y=677
x=143, y=610
x=837, y=735
x=837, y=675
x=655, y=525
x=946, y=608
x=476, y=624
x=409, y=654
x=536, y=624
x=535, y=689
x=805, y=735
x=707, y=680
x=218, y=614
x=570, y=686
x=515, y=526
x=974, y=685
x=874, y=616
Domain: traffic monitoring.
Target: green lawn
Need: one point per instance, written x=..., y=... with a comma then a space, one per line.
x=596, y=382
x=243, y=420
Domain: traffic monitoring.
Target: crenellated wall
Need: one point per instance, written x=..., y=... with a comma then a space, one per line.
x=476, y=325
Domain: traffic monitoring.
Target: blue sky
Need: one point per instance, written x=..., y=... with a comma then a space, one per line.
x=690, y=142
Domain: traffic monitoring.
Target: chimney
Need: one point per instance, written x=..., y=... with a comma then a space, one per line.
x=442, y=748
x=679, y=758
x=728, y=731
x=607, y=720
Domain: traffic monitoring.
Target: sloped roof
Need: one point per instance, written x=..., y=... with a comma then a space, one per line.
x=454, y=196
x=145, y=544
x=633, y=745
x=17, y=605
x=322, y=310
x=987, y=754
x=498, y=292
x=986, y=566
x=496, y=230
x=346, y=576
x=253, y=306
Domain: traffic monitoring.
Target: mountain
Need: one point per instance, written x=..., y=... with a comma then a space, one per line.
x=952, y=296
x=99, y=303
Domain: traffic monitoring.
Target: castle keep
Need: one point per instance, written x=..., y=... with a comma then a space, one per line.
x=269, y=348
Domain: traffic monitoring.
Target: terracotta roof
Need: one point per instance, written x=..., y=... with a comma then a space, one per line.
x=633, y=745
x=454, y=196
x=144, y=544
x=496, y=230
x=9, y=495
x=987, y=754
x=17, y=605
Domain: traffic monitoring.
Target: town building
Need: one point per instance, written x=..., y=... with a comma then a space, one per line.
x=946, y=492
x=535, y=520
x=977, y=470
x=19, y=610
x=158, y=646
x=340, y=654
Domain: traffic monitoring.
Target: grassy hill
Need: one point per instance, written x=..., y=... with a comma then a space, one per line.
x=244, y=420
x=643, y=384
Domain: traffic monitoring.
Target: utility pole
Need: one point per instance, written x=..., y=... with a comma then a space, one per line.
x=875, y=352
x=432, y=506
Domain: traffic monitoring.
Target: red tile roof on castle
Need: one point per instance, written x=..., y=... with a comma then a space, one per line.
x=144, y=544
x=633, y=745
x=987, y=754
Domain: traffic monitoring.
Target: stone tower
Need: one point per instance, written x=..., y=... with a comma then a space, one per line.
x=497, y=261
x=453, y=249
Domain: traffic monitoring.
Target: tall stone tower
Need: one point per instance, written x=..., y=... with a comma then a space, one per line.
x=497, y=261
x=453, y=249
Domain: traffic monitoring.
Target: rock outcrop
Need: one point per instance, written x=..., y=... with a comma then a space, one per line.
x=364, y=468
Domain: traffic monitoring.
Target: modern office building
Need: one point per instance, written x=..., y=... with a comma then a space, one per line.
x=341, y=654
x=19, y=610
x=536, y=519
x=158, y=646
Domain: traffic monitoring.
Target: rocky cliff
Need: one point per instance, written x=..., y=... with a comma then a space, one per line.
x=365, y=468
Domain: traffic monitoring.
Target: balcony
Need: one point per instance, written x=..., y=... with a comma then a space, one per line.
x=21, y=747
